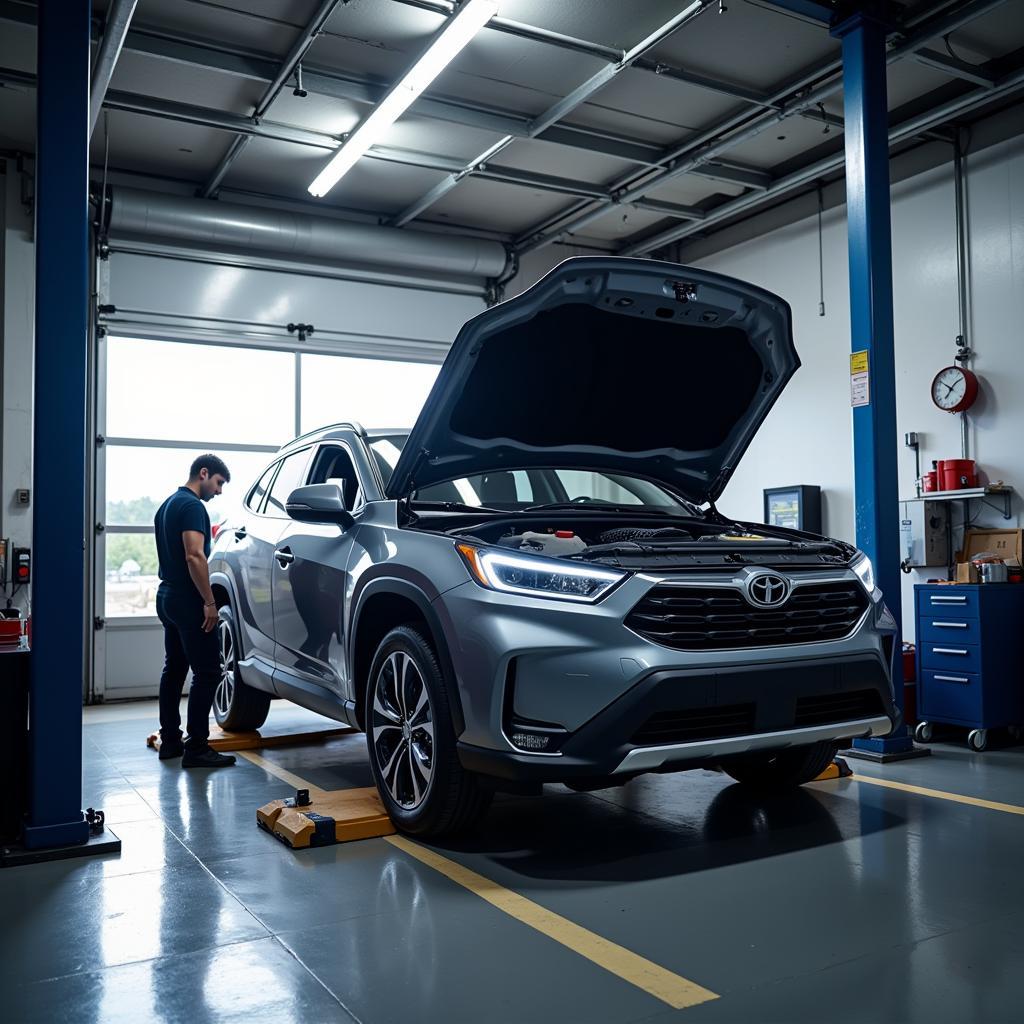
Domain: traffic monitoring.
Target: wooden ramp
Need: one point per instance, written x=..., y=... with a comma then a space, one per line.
x=341, y=816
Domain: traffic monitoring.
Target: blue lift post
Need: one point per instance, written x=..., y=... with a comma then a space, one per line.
x=876, y=494
x=55, y=817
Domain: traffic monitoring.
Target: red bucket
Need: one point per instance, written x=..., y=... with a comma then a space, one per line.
x=957, y=474
x=930, y=482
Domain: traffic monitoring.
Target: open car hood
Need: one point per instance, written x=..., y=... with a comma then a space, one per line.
x=608, y=363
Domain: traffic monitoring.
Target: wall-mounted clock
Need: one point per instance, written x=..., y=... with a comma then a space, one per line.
x=954, y=389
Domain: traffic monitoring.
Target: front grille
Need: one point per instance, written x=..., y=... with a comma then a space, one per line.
x=837, y=707
x=696, y=724
x=701, y=618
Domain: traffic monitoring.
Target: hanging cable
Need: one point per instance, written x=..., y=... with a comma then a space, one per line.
x=821, y=256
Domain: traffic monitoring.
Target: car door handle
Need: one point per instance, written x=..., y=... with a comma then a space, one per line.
x=241, y=533
x=284, y=556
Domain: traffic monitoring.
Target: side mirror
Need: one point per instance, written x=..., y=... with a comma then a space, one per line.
x=319, y=503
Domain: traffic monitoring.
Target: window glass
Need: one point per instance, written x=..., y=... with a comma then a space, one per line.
x=374, y=392
x=139, y=479
x=581, y=484
x=289, y=477
x=256, y=498
x=131, y=575
x=334, y=463
x=169, y=389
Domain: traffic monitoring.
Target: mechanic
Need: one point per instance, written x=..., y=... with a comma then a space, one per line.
x=188, y=611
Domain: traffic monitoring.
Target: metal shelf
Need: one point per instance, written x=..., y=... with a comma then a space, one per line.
x=981, y=494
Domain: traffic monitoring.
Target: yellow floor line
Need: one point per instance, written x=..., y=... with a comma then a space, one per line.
x=939, y=794
x=281, y=773
x=670, y=988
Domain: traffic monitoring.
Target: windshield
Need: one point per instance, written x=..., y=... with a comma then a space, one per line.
x=518, y=489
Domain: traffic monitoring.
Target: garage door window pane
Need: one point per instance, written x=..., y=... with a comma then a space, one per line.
x=163, y=389
x=131, y=575
x=374, y=392
x=139, y=479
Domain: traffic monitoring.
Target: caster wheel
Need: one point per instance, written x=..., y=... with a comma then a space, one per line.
x=924, y=732
x=977, y=739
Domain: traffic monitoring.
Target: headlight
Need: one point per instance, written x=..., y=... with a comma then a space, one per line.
x=865, y=570
x=537, y=577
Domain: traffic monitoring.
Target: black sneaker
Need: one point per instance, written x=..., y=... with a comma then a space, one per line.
x=208, y=758
x=171, y=749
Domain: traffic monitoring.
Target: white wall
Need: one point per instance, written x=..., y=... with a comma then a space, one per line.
x=807, y=438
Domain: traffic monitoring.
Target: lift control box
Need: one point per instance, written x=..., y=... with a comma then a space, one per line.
x=21, y=566
x=924, y=533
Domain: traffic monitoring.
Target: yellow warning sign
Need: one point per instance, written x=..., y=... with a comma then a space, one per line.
x=859, y=361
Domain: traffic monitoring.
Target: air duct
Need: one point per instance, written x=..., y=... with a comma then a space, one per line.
x=236, y=228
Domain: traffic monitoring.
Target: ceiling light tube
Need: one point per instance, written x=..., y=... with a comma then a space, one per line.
x=447, y=44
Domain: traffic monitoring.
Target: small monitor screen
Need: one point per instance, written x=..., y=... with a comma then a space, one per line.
x=784, y=509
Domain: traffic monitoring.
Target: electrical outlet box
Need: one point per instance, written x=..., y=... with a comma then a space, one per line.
x=23, y=496
x=21, y=566
x=924, y=533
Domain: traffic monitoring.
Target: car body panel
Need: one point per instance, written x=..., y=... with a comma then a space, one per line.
x=547, y=379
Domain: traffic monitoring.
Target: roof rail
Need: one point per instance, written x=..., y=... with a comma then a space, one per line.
x=348, y=425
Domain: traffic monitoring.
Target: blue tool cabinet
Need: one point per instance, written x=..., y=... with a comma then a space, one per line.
x=969, y=669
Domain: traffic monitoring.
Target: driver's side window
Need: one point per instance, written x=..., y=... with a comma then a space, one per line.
x=333, y=462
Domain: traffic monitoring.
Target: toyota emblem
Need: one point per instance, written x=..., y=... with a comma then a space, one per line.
x=767, y=589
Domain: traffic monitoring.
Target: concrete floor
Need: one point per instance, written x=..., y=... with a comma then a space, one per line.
x=842, y=902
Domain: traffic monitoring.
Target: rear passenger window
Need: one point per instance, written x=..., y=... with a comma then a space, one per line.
x=255, y=499
x=290, y=476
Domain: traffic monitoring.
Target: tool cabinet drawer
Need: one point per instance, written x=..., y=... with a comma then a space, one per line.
x=948, y=629
x=950, y=655
x=940, y=600
x=948, y=694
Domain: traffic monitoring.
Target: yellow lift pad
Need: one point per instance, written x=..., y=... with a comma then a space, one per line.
x=337, y=817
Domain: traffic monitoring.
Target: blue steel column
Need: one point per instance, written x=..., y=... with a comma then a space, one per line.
x=59, y=460
x=876, y=495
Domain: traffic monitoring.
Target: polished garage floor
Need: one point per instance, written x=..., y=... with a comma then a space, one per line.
x=846, y=901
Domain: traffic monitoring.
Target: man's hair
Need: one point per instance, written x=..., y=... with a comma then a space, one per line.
x=212, y=464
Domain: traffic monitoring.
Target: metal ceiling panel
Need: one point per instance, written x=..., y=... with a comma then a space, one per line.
x=18, y=46
x=17, y=118
x=258, y=25
x=782, y=142
x=999, y=32
x=749, y=45
x=562, y=161
x=156, y=146
x=622, y=222
x=690, y=190
x=267, y=165
x=184, y=84
x=488, y=204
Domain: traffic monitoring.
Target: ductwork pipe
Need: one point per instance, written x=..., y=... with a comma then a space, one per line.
x=247, y=229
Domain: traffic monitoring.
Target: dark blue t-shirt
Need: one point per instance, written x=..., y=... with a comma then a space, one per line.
x=180, y=512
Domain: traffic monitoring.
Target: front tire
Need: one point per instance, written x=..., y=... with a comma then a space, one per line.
x=772, y=771
x=411, y=740
x=237, y=707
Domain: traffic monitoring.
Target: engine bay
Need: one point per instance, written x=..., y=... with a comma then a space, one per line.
x=643, y=542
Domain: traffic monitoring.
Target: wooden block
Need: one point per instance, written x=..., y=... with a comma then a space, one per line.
x=342, y=816
x=256, y=740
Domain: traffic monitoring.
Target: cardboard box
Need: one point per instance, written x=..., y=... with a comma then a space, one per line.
x=1008, y=544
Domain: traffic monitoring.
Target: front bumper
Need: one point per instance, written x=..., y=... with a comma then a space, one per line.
x=772, y=692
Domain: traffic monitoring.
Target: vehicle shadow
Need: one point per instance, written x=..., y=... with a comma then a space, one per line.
x=616, y=835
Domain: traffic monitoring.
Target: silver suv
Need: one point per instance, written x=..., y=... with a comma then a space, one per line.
x=534, y=584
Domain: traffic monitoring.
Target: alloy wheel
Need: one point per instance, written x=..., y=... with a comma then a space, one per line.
x=226, y=687
x=403, y=730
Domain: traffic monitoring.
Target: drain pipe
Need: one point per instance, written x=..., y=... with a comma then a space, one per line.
x=964, y=350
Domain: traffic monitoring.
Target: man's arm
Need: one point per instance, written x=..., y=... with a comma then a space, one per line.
x=199, y=570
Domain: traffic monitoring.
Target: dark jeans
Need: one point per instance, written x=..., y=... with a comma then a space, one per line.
x=185, y=646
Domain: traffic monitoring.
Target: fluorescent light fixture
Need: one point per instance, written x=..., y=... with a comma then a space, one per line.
x=460, y=29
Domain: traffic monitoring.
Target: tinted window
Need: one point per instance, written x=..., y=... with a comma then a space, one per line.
x=255, y=499
x=290, y=476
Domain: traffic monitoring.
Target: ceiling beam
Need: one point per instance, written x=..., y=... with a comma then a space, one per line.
x=955, y=67
x=299, y=49
x=556, y=112
x=119, y=17
x=707, y=146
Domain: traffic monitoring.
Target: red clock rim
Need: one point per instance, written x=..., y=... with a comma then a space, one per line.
x=970, y=389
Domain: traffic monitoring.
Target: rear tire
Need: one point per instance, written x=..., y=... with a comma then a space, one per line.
x=237, y=707
x=411, y=741
x=774, y=770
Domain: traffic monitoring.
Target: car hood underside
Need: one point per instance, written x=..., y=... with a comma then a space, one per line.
x=622, y=365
